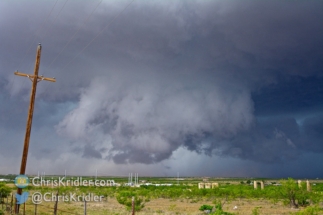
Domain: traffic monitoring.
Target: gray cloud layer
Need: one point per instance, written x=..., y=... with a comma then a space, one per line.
x=171, y=75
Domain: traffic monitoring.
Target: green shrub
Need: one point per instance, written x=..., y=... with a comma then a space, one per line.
x=206, y=207
x=294, y=195
x=219, y=210
x=311, y=210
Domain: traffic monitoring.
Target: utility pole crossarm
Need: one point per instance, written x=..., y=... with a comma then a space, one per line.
x=40, y=78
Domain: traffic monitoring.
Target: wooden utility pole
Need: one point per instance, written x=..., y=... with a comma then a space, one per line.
x=11, y=203
x=84, y=207
x=56, y=203
x=36, y=209
x=34, y=79
x=133, y=205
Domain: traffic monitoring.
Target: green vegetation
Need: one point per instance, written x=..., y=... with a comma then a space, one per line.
x=289, y=192
x=218, y=209
x=206, y=208
x=286, y=191
x=125, y=198
x=297, y=196
x=4, y=191
x=311, y=210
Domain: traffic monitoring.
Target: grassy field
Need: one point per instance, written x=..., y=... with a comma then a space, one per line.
x=183, y=197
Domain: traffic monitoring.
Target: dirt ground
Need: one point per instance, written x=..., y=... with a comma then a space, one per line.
x=160, y=206
x=244, y=207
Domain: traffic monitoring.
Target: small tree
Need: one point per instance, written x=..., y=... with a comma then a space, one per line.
x=297, y=196
x=125, y=198
x=289, y=191
x=4, y=191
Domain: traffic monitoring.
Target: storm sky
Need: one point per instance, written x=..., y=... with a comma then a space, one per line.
x=199, y=88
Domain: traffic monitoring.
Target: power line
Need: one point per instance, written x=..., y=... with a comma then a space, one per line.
x=61, y=10
x=23, y=58
x=42, y=25
x=99, y=33
x=56, y=16
x=84, y=22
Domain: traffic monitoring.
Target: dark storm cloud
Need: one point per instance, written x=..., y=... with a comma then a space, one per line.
x=274, y=140
x=313, y=129
x=224, y=48
x=221, y=55
x=295, y=94
x=228, y=78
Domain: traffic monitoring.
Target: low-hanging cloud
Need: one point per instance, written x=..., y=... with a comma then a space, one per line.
x=148, y=122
